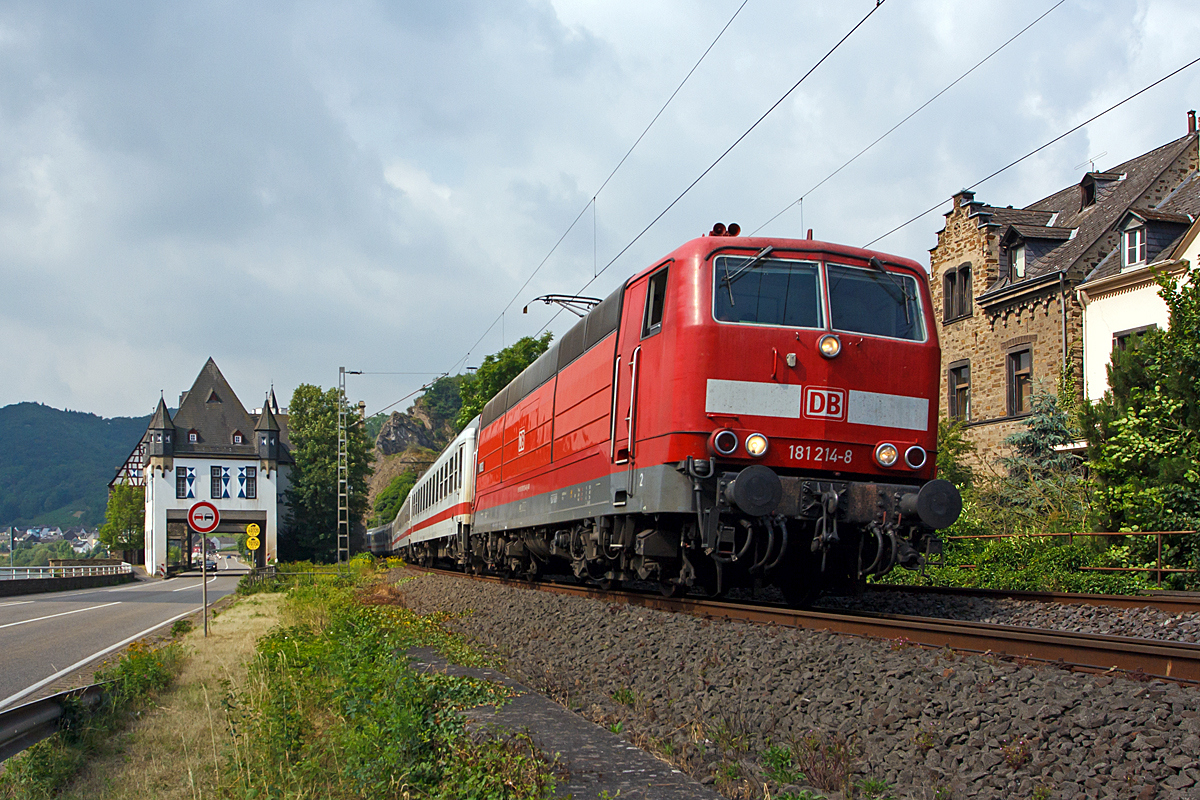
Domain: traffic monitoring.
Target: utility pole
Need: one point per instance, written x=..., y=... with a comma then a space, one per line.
x=343, y=474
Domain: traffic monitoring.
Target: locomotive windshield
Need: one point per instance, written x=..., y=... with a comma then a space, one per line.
x=769, y=292
x=874, y=302
x=773, y=291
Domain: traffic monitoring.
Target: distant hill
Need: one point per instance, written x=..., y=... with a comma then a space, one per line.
x=55, y=465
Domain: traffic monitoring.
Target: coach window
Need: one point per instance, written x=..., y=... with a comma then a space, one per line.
x=1020, y=381
x=959, y=383
x=656, y=292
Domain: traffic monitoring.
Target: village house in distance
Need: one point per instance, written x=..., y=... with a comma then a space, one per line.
x=214, y=450
x=1005, y=280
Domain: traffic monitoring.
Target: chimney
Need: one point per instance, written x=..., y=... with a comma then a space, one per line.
x=1192, y=121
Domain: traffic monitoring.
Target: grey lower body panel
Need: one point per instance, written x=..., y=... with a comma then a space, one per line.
x=658, y=489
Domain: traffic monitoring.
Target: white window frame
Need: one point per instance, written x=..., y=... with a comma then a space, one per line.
x=1133, y=246
x=1016, y=260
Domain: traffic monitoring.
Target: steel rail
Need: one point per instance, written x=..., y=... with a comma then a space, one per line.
x=1083, y=652
x=26, y=725
x=1168, y=602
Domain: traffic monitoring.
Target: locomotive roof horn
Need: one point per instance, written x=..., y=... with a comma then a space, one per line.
x=721, y=229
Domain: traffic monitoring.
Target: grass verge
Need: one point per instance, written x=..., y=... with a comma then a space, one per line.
x=329, y=710
x=298, y=692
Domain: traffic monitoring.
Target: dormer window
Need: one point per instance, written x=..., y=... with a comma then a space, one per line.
x=1134, y=250
x=1016, y=261
x=237, y=437
x=1087, y=194
x=193, y=436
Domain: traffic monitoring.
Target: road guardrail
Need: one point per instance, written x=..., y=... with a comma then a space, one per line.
x=25, y=726
x=24, y=573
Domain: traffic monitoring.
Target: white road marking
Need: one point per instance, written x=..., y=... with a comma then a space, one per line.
x=15, y=603
x=194, y=585
x=61, y=614
x=26, y=692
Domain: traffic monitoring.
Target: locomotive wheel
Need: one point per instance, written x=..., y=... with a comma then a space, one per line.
x=671, y=589
x=799, y=594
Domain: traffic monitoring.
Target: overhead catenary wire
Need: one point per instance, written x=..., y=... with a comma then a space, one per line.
x=592, y=201
x=1037, y=150
x=728, y=150
x=891, y=130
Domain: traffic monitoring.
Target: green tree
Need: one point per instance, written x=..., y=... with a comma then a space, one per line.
x=388, y=502
x=1144, y=434
x=39, y=555
x=124, y=525
x=496, y=371
x=312, y=498
x=444, y=399
x=1042, y=488
x=954, y=449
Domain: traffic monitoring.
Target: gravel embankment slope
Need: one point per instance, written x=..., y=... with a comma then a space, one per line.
x=710, y=696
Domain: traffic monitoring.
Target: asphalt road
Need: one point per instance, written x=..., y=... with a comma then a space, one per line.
x=44, y=637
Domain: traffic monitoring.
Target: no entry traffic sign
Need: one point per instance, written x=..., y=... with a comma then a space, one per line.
x=204, y=517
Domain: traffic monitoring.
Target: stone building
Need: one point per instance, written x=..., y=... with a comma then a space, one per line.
x=1003, y=281
x=213, y=449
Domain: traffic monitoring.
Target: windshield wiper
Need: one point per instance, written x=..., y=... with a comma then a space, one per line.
x=906, y=297
x=743, y=269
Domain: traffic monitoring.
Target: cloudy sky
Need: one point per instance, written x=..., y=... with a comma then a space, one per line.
x=294, y=187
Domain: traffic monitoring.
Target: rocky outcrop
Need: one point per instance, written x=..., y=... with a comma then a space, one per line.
x=403, y=431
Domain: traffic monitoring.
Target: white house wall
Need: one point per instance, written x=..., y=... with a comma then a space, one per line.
x=160, y=498
x=1122, y=310
x=1110, y=312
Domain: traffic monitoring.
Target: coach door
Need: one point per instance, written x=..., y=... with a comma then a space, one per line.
x=637, y=357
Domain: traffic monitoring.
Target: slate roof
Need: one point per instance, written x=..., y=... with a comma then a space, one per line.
x=1179, y=209
x=266, y=420
x=162, y=417
x=1043, y=232
x=213, y=410
x=1116, y=191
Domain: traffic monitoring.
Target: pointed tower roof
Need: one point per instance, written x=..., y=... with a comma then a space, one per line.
x=266, y=420
x=161, y=420
x=271, y=401
x=212, y=409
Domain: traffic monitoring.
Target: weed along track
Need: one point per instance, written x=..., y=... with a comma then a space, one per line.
x=748, y=698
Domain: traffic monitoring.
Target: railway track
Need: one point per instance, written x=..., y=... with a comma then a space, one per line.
x=1083, y=652
x=1167, y=602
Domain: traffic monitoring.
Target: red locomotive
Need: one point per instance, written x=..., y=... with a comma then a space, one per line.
x=744, y=411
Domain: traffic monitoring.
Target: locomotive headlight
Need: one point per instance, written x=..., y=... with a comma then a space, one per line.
x=756, y=445
x=915, y=456
x=829, y=345
x=886, y=455
x=723, y=442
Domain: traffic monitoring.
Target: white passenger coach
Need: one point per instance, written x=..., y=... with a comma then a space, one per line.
x=435, y=519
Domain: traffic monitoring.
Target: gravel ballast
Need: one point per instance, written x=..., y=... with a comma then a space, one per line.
x=711, y=696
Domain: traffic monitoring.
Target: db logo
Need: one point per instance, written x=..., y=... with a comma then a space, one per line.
x=521, y=441
x=824, y=403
